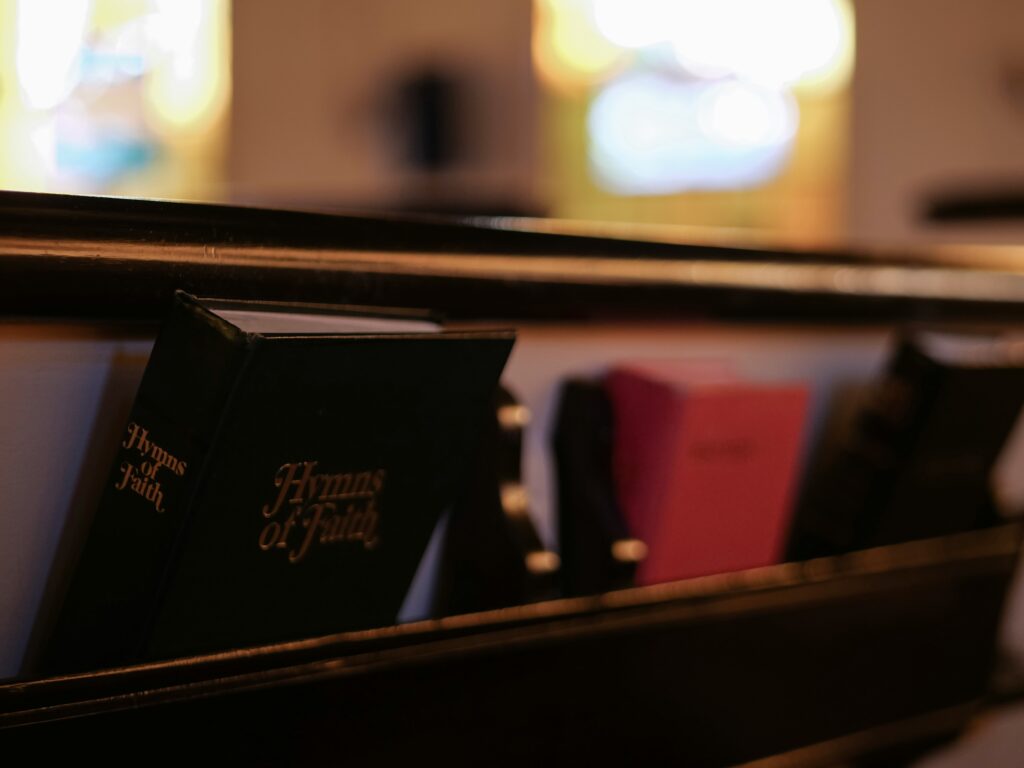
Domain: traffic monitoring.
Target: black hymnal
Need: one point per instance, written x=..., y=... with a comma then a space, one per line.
x=917, y=460
x=493, y=556
x=280, y=476
x=598, y=553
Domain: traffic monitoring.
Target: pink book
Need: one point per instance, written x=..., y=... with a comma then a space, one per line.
x=705, y=466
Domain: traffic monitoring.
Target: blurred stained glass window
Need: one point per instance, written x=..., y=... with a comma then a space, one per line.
x=114, y=96
x=716, y=112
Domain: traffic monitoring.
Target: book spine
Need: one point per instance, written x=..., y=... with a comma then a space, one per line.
x=598, y=554
x=845, y=502
x=944, y=484
x=109, y=606
x=493, y=557
x=648, y=414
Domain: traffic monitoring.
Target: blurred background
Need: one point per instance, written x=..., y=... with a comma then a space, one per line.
x=811, y=122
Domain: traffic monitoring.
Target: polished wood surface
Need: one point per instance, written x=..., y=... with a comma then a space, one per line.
x=105, y=257
x=710, y=671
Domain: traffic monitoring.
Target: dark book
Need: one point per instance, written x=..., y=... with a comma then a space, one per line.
x=598, y=553
x=493, y=556
x=917, y=459
x=280, y=476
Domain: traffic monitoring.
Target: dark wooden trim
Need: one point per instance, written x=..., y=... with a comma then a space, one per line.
x=67, y=256
x=940, y=568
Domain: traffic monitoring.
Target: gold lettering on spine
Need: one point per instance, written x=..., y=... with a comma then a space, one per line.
x=140, y=471
x=321, y=508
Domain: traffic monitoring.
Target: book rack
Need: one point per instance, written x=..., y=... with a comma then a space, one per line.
x=803, y=663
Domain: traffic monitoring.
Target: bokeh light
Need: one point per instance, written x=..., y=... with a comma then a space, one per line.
x=49, y=38
x=569, y=53
x=692, y=94
x=634, y=23
x=651, y=134
x=778, y=44
x=114, y=96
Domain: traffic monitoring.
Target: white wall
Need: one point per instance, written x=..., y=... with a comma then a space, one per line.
x=934, y=106
x=312, y=100
x=66, y=392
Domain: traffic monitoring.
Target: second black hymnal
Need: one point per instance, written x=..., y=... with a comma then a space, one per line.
x=917, y=460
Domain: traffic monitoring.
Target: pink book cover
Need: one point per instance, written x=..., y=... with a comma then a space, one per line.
x=705, y=466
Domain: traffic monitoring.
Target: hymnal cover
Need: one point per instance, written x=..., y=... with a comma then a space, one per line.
x=705, y=466
x=493, y=556
x=280, y=476
x=598, y=553
x=917, y=460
